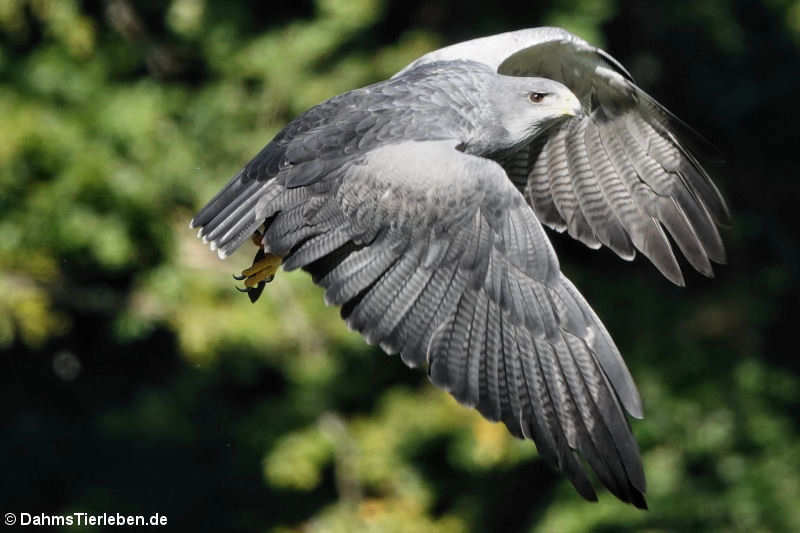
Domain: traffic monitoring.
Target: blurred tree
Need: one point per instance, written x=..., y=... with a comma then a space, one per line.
x=137, y=380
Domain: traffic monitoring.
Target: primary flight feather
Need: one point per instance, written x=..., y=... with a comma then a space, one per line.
x=416, y=203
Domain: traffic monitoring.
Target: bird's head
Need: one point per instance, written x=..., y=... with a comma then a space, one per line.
x=527, y=107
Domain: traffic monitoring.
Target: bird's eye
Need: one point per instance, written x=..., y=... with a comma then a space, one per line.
x=536, y=97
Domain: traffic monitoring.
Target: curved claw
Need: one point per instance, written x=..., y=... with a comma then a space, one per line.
x=259, y=274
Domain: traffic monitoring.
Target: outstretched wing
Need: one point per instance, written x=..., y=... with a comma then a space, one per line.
x=618, y=175
x=434, y=254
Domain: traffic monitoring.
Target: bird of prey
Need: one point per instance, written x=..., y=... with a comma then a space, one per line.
x=418, y=204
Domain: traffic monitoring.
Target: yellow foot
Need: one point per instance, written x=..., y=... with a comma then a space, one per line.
x=263, y=269
x=262, y=272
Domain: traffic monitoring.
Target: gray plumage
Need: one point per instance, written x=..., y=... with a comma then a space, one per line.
x=406, y=201
x=617, y=175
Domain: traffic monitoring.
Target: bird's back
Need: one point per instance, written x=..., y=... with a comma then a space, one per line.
x=432, y=102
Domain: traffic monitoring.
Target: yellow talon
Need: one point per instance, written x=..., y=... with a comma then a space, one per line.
x=267, y=265
x=265, y=275
x=260, y=273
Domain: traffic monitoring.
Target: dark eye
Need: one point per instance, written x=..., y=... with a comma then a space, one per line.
x=536, y=97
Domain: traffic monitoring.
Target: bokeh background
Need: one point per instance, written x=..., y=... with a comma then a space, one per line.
x=135, y=379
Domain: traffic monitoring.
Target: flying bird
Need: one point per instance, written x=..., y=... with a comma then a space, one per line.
x=417, y=203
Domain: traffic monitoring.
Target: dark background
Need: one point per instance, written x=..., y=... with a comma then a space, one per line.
x=136, y=380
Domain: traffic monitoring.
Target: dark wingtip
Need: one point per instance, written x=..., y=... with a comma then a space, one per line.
x=639, y=500
x=584, y=488
x=725, y=219
x=721, y=259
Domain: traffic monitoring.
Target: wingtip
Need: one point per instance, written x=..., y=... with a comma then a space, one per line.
x=634, y=407
x=676, y=277
x=724, y=219
x=614, y=62
x=639, y=500
x=581, y=483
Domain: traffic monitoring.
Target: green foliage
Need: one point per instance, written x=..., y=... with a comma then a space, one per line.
x=137, y=380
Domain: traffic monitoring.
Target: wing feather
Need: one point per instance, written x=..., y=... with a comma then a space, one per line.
x=617, y=176
x=471, y=286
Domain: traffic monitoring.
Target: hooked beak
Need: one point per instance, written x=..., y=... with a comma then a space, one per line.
x=572, y=106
